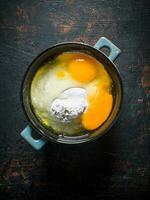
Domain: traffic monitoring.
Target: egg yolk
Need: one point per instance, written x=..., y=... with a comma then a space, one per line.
x=100, y=105
x=60, y=74
x=83, y=69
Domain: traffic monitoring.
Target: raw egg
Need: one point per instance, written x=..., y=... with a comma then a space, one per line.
x=68, y=70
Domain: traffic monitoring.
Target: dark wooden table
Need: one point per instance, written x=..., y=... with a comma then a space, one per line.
x=117, y=166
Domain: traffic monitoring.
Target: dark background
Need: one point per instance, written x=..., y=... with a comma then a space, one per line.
x=117, y=166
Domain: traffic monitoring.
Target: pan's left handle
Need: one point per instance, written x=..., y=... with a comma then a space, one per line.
x=114, y=50
x=36, y=144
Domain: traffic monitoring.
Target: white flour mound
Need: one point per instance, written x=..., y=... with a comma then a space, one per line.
x=70, y=105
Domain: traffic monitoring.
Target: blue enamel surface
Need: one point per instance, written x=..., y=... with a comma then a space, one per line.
x=104, y=42
x=36, y=144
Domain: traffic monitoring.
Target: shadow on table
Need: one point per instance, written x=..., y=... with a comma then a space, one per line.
x=83, y=167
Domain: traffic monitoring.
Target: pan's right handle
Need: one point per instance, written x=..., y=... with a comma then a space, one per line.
x=114, y=50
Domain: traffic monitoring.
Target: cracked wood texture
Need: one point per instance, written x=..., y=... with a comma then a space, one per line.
x=116, y=166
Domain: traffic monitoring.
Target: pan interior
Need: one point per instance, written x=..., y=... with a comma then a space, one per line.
x=50, y=54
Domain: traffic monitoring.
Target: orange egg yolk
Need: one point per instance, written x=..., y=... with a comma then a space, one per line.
x=100, y=105
x=83, y=69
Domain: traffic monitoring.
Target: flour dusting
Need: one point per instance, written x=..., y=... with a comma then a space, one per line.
x=70, y=105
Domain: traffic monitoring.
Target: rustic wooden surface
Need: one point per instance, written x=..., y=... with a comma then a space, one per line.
x=117, y=166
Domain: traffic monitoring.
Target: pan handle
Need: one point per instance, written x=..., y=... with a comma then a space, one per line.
x=104, y=42
x=36, y=144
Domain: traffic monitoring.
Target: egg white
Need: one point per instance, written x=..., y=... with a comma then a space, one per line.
x=46, y=87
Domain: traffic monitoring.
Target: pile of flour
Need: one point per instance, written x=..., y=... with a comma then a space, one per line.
x=69, y=105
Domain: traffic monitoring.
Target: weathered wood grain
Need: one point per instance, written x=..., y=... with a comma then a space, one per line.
x=116, y=166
